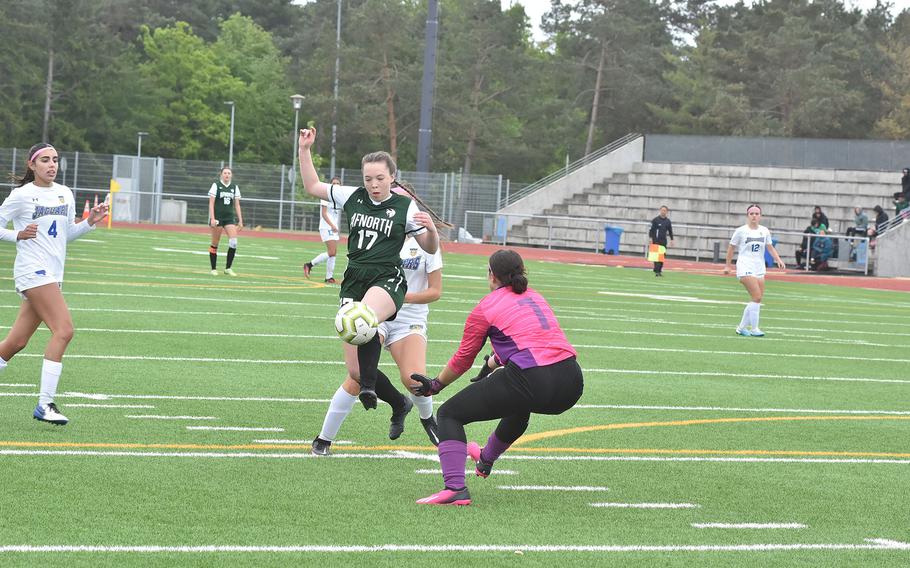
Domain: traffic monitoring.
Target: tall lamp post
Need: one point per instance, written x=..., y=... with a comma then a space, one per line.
x=297, y=101
x=231, y=144
x=139, y=145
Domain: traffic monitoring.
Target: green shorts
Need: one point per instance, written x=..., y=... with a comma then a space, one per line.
x=224, y=221
x=357, y=280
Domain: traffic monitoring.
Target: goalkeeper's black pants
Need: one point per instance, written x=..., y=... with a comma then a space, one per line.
x=512, y=394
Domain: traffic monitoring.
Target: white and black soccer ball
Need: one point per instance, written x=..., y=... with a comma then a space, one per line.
x=356, y=323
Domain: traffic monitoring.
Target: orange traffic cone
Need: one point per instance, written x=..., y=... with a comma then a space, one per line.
x=85, y=212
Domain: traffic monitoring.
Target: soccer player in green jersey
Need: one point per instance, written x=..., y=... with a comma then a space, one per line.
x=224, y=214
x=380, y=221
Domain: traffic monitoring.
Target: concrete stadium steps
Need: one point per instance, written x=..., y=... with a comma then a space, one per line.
x=709, y=195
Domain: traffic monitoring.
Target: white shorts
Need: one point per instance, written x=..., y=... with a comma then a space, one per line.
x=394, y=331
x=328, y=235
x=33, y=280
x=750, y=271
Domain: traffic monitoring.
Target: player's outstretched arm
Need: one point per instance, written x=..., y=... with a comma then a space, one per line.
x=308, y=174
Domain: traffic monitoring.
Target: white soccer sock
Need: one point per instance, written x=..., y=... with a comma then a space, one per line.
x=424, y=405
x=753, y=319
x=2, y=363
x=744, y=322
x=329, y=267
x=319, y=258
x=50, y=376
x=339, y=408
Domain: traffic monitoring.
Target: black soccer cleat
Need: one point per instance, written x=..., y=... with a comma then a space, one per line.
x=321, y=447
x=481, y=468
x=396, y=428
x=307, y=267
x=368, y=398
x=431, y=428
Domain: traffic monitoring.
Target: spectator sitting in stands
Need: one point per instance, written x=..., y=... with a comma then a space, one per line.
x=901, y=206
x=880, y=219
x=822, y=219
x=905, y=183
x=802, y=251
x=822, y=248
x=860, y=223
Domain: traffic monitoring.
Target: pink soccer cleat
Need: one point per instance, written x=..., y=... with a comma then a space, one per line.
x=481, y=468
x=447, y=497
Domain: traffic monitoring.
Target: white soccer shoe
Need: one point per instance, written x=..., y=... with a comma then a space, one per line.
x=50, y=413
x=757, y=332
x=743, y=331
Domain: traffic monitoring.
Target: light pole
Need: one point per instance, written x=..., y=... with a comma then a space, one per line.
x=139, y=145
x=231, y=145
x=335, y=95
x=297, y=101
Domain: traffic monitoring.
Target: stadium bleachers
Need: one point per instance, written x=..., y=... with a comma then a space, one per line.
x=711, y=195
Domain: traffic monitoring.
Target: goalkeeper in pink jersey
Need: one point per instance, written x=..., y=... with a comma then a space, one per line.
x=532, y=369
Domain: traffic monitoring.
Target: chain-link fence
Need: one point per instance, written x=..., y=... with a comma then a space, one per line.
x=159, y=190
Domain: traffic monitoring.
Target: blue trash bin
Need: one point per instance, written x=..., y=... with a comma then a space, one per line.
x=769, y=260
x=612, y=236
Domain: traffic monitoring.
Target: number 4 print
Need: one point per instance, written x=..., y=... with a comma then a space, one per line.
x=52, y=230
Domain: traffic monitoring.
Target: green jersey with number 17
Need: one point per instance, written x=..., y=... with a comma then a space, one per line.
x=377, y=230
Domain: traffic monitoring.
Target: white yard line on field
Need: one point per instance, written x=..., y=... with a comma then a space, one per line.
x=870, y=544
x=300, y=442
x=734, y=409
x=748, y=525
x=646, y=505
x=15, y=385
x=551, y=487
x=82, y=405
x=206, y=253
x=163, y=417
x=235, y=429
x=466, y=472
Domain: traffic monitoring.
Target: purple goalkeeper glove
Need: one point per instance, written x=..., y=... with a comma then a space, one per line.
x=425, y=386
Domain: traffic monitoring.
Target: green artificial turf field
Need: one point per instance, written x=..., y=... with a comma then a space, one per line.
x=193, y=400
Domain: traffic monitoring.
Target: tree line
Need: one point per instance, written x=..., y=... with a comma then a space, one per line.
x=88, y=75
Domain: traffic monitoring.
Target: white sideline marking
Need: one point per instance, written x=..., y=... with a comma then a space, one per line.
x=235, y=429
x=162, y=417
x=737, y=353
x=417, y=456
x=85, y=405
x=871, y=544
x=647, y=505
x=734, y=409
x=749, y=525
x=90, y=396
x=206, y=253
x=743, y=375
x=235, y=455
x=670, y=298
x=15, y=385
x=551, y=487
x=295, y=442
x=466, y=472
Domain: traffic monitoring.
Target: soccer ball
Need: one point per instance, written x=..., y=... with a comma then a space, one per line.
x=356, y=323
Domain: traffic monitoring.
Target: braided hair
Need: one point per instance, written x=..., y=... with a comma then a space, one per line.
x=509, y=269
x=412, y=193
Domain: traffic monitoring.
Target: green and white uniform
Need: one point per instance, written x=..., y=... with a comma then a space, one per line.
x=224, y=202
x=377, y=233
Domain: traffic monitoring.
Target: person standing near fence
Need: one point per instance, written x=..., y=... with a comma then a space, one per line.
x=43, y=215
x=224, y=215
x=329, y=219
x=661, y=230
